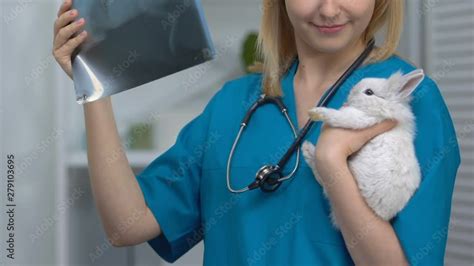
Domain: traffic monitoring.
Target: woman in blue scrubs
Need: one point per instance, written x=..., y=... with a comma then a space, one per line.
x=183, y=197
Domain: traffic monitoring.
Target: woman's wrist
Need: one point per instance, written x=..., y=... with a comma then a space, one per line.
x=332, y=161
x=330, y=168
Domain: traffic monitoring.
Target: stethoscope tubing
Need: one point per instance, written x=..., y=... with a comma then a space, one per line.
x=263, y=99
x=324, y=101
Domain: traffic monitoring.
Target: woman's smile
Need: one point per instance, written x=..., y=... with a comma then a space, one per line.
x=329, y=29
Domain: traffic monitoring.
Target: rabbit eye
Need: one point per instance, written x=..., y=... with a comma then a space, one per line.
x=369, y=92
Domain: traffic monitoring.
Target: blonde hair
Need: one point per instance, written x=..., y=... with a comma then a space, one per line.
x=276, y=43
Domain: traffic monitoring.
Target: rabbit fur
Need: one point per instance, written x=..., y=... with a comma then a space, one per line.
x=385, y=168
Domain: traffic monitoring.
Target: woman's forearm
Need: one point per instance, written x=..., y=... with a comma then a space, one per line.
x=369, y=239
x=116, y=191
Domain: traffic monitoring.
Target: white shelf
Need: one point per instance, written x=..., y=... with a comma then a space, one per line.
x=135, y=158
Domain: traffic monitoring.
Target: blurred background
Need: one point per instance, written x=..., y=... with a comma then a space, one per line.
x=42, y=125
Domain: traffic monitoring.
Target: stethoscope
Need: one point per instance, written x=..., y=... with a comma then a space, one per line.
x=269, y=177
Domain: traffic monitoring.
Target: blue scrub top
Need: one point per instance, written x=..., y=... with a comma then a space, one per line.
x=185, y=187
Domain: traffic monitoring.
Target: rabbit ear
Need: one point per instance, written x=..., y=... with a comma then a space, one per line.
x=410, y=81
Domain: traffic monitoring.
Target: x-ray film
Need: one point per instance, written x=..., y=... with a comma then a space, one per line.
x=131, y=43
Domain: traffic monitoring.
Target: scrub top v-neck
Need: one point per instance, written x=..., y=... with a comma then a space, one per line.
x=185, y=187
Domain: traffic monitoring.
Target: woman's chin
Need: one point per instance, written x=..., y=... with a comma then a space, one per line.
x=330, y=44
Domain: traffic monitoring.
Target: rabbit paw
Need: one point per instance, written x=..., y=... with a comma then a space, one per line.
x=317, y=113
x=308, y=152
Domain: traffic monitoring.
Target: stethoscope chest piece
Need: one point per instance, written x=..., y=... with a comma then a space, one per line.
x=268, y=178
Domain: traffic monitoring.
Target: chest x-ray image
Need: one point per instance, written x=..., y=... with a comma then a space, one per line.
x=131, y=43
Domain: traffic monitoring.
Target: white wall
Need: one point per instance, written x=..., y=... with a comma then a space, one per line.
x=28, y=126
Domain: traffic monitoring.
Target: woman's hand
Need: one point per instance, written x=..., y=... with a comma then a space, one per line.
x=334, y=145
x=64, y=42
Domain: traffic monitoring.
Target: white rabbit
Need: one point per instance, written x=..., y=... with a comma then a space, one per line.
x=386, y=168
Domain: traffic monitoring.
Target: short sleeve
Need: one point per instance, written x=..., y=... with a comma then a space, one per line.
x=422, y=226
x=171, y=185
